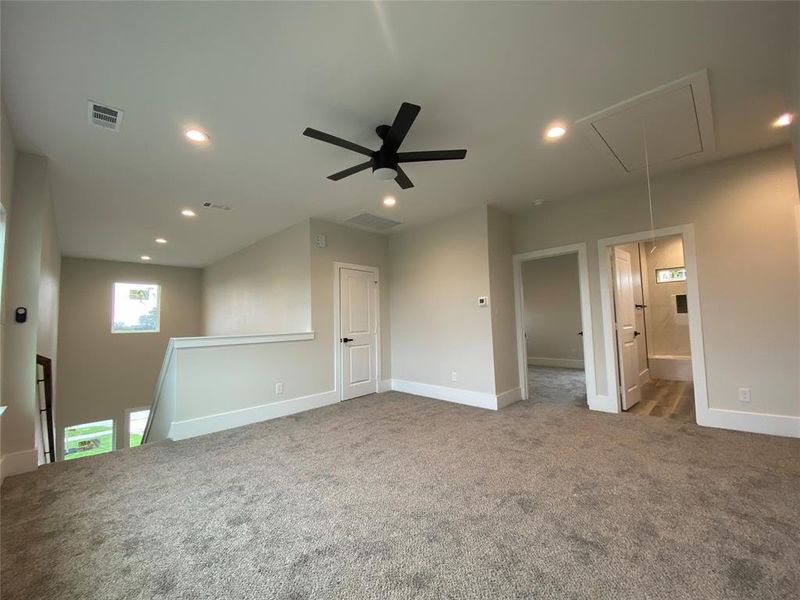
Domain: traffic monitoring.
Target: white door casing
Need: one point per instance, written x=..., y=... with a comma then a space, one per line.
x=625, y=312
x=358, y=328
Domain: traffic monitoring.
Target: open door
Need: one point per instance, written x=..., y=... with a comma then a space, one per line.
x=625, y=312
x=358, y=326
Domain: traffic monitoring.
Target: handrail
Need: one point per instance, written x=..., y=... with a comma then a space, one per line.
x=211, y=341
x=47, y=379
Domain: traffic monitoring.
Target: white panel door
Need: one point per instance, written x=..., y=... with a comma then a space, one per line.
x=358, y=328
x=627, y=348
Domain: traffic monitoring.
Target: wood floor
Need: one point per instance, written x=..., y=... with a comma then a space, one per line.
x=662, y=398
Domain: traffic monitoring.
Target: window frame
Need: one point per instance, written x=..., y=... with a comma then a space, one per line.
x=128, y=412
x=685, y=277
x=113, y=437
x=158, y=312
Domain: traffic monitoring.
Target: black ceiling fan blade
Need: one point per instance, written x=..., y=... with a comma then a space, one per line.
x=402, y=179
x=350, y=171
x=399, y=129
x=332, y=139
x=405, y=157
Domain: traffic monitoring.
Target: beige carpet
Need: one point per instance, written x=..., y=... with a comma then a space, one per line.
x=395, y=496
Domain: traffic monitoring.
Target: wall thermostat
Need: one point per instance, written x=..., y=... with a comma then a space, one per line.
x=483, y=300
x=20, y=314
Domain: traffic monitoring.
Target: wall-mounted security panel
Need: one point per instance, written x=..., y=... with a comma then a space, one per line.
x=483, y=300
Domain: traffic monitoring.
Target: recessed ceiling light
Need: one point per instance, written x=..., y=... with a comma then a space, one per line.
x=161, y=241
x=188, y=212
x=196, y=135
x=389, y=201
x=784, y=120
x=145, y=257
x=555, y=132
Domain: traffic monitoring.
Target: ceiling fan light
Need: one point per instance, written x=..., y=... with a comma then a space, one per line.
x=385, y=173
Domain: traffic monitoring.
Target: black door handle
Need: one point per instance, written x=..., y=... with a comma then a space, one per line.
x=635, y=333
x=580, y=333
x=345, y=340
x=640, y=305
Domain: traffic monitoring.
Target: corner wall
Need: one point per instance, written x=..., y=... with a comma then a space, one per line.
x=743, y=210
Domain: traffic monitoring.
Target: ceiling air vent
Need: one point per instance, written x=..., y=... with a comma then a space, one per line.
x=216, y=206
x=104, y=116
x=371, y=221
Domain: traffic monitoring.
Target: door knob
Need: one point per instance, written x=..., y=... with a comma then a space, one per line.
x=345, y=340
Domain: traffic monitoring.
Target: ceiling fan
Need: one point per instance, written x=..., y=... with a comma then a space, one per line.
x=385, y=162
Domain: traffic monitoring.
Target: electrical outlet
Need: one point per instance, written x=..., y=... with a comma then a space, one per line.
x=279, y=388
x=453, y=376
x=744, y=394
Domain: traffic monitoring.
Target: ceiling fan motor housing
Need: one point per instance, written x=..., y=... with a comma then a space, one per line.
x=384, y=165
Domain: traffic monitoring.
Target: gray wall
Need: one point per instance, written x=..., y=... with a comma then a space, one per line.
x=265, y=288
x=743, y=210
x=101, y=374
x=552, y=311
x=438, y=271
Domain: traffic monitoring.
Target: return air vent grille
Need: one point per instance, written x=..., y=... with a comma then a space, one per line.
x=216, y=206
x=104, y=116
x=371, y=221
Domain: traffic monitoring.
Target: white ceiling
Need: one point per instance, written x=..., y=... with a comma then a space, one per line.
x=489, y=78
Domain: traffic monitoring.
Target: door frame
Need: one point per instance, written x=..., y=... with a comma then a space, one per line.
x=696, y=345
x=586, y=315
x=337, y=324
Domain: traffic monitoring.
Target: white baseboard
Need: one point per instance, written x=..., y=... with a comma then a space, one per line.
x=440, y=392
x=181, y=430
x=384, y=385
x=671, y=368
x=738, y=420
x=509, y=397
x=603, y=404
x=15, y=463
x=566, y=363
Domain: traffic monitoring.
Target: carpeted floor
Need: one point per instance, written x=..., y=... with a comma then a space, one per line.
x=396, y=496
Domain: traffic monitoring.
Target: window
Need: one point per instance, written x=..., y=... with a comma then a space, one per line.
x=671, y=274
x=137, y=421
x=136, y=308
x=88, y=439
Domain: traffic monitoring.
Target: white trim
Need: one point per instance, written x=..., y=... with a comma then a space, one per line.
x=181, y=430
x=337, y=324
x=564, y=363
x=210, y=341
x=753, y=422
x=693, y=299
x=440, y=392
x=169, y=356
x=508, y=397
x=586, y=315
x=15, y=463
x=604, y=403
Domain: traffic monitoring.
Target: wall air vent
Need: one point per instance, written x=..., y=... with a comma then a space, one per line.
x=216, y=206
x=104, y=116
x=374, y=222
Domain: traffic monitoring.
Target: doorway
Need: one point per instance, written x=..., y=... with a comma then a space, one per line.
x=652, y=322
x=356, y=335
x=554, y=336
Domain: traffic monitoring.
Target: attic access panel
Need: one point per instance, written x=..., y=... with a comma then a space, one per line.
x=678, y=122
